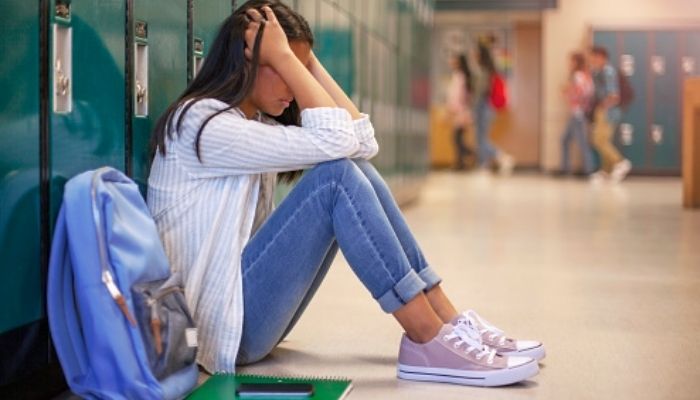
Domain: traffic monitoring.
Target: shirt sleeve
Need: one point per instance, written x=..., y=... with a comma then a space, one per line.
x=364, y=132
x=231, y=144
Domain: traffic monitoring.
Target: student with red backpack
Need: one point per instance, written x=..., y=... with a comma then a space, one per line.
x=609, y=98
x=489, y=93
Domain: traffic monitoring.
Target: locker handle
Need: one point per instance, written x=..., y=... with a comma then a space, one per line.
x=141, y=92
x=141, y=79
x=62, y=80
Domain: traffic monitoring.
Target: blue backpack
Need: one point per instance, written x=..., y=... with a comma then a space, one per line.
x=118, y=318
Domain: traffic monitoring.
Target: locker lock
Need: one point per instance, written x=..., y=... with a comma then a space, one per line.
x=62, y=9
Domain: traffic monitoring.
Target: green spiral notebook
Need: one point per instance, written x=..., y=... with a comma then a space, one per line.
x=224, y=386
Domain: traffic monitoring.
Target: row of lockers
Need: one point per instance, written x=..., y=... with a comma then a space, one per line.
x=85, y=80
x=655, y=62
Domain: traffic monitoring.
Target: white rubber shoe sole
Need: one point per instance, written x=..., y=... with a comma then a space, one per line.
x=537, y=352
x=501, y=377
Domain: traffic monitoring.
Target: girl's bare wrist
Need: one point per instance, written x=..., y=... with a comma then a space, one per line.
x=314, y=65
x=281, y=58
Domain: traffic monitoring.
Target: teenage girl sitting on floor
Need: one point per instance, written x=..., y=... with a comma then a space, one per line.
x=264, y=107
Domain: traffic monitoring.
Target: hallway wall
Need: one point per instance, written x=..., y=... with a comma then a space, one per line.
x=568, y=28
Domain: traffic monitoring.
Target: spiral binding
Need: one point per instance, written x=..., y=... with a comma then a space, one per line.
x=303, y=378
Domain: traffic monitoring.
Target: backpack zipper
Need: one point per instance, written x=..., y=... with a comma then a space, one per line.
x=155, y=319
x=117, y=295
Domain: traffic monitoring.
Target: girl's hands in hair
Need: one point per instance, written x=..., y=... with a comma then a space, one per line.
x=276, y=53
x=274, y=47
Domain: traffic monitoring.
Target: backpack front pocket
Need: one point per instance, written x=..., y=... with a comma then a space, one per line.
x=167, y=328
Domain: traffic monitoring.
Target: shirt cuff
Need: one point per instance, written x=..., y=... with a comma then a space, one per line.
x=326, y=117
x=364, y=130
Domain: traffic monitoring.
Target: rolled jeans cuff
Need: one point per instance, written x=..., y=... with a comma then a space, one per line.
x=430, y=277
x=402, y=292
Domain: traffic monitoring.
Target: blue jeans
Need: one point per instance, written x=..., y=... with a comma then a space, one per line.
x=483, y=118
x=342, y=203
x=576, y=129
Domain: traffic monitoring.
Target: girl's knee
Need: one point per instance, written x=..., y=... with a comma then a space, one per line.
x=252, y=355
x=339, y=170
x=365, y=166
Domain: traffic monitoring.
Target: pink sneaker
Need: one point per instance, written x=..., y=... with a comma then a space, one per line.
x=496, y=338
x=456, y=355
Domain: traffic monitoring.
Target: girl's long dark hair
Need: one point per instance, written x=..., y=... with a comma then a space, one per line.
x=227, y=76
x=463, y=66
x=486, y=59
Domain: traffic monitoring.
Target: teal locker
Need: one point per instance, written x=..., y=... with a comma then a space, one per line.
x=664, y=130
x=158, y=67
x=650, y=133
x=86, y=76
x=343, y=45
x=632, y=60
x=325, y=36
x=207, y=16
x=20, y=289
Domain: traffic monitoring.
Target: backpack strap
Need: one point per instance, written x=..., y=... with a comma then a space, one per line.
x=64, y=321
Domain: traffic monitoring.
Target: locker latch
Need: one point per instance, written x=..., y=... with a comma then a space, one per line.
x=140, y=92
x=657, y=134
x=626, y=134
x=62, y=80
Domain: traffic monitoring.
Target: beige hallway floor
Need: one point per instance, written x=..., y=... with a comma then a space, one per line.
x=608, y=277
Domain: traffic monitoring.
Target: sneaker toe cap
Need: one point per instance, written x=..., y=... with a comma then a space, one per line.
x=527, y=344
x=515, y=361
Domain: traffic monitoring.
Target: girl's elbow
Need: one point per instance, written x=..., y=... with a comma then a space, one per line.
x=353, y=146
x=372, y=150
x=343, y=149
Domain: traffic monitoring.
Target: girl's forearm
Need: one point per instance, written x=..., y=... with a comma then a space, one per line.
x=308, y=92
x=331, y=86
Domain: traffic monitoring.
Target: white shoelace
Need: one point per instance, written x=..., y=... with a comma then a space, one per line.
x=486, y=327
x=469, y=335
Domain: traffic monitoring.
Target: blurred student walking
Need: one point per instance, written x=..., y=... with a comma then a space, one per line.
x=578, y=91
x=607, y=118
x=459, y=105
x=483, y=111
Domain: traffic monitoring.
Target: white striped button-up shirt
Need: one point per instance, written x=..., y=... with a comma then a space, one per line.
x=207, y=210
